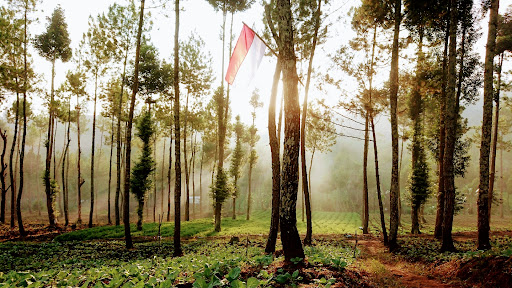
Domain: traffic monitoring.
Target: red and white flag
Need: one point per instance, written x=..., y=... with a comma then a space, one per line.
x=246, y=57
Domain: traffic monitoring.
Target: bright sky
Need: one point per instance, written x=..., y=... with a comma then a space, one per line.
x=200, y=18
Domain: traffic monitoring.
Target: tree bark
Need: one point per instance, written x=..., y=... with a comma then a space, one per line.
x=276, y=166
x=393, y=79
x=292, y=246
x=12, y=174
x=2, y=176
x=494, y=139
x=450, y=126
x=177, y=161
x=438, y=231
x=162, y=181
x=109, y=218
x=24, y=136
x=309, y=226
x=483, y=195
x=91, y=211
x=49, y=147
x=64, y=186
x=80, y=181
x=377, y=176
x=169, y=170
x=126, y=208
x=118, y=145
x=187, y=180
x=366, y=215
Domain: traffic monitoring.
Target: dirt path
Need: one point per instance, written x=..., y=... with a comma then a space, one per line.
x=375, y=258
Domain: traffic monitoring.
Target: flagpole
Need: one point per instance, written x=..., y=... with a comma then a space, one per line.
x=271, y=50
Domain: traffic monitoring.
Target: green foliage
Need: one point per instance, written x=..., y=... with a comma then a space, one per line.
x=326, y=223
x=237, y=155
x=221, y=189
x=419, y=184
x=54, y=42
x=108, y=263
x=140, y=181
x=155, y=76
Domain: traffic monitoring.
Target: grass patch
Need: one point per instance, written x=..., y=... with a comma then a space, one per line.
x=323, y=223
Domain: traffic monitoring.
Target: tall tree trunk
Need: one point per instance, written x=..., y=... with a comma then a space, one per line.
x=91, y=211
x=309, y=226
x=80, y=180
x=393, y=79
x=417, y=147
x=126, y=204
x=177, y=161
x=24, y=136
x=2, y=176
x=193, y=175
x=221, y=122
x=292, y=246
x=12, y=173
x=154, y=183
x=366, y=215
x=450, y=126
x=118, y=145
x=483, y=193
x=187, y=180
x=49, y=147
x=377, y=177
x=276, y=166
x=502, y=188
x=201, y=183
x=162, y=181
x=369, y=111
x=169, y=170
x=438, y=231
x=65, y=191
x=109, y=218
x=494, y=140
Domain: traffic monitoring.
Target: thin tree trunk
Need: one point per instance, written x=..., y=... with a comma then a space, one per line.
x=110, y=170
x=91, y=211
x=24, y=136
x=11, y=166
x=393, y=79
x=126, y=207
x=187, y=190
x=118, y=145
x=276, y=166
x=169, y=170
x=201, y=183
x=494, y=140
x=438, y=231
x=177, y=161
x=502, y=188
x=162, y=181
x=2, y=176
x=366, y=214
x=483, y=195
x=49, y=147
x=309, y=225
x=154, y=183
x=64, y=178
x=80, y=180
x=451, y=126
x=193, y=175
x=377, y=177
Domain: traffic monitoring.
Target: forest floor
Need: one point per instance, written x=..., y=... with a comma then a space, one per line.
x=96, y=256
